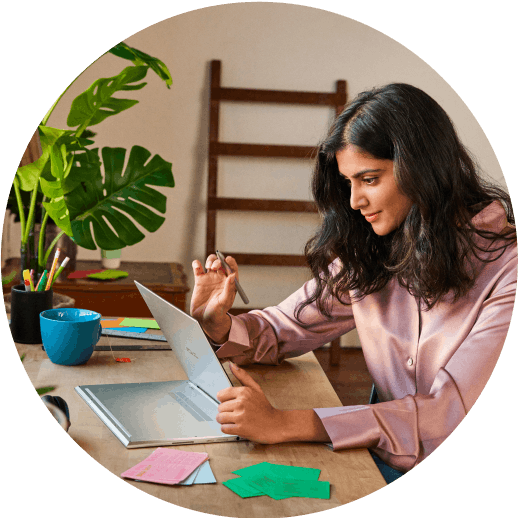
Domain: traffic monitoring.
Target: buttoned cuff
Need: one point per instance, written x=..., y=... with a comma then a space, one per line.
x=237, y=343
x=350, y=427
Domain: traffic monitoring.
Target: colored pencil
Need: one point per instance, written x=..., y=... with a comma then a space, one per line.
x=60, y=269
x=27, y=280
x=42, y=281
x=53, y=269
x=31, y=278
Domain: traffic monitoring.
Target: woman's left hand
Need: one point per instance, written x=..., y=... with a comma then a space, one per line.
x=246, y=412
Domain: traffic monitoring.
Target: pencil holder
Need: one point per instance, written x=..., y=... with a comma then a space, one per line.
x=26, y=307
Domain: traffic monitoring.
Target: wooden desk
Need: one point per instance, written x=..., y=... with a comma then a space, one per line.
x=297, y=383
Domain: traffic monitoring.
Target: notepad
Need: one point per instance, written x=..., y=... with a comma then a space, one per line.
x=148, y=323
x=166, y=466
x=201, y=475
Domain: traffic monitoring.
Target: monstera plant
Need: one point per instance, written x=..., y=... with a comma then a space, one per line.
x=83, y=189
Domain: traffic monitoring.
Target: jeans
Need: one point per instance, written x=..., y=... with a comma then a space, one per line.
x=389, y=474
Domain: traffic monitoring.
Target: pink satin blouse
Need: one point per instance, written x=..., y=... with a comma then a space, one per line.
x=429, y=367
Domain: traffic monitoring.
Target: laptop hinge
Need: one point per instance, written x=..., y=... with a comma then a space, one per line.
x=199, y=389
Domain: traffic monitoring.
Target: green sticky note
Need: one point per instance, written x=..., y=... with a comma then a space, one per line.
x=242, y=488
x=303, y=488
x=279, y=471
x=267, y=485
x=108, y=275
x=252, y=471
x=139, y=322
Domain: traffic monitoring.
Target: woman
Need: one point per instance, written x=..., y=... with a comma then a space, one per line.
x=416, y=251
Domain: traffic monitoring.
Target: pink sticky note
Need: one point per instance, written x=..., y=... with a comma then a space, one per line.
x=166, y=466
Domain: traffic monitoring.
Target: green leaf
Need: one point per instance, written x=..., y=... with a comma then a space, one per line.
x=29, y=174
x=113, y=206
x=44, y=390
x=70, y=164
x=57, y=166
x=58, y=209
x=97, y=102
x=7, y=279
x=138, y=58
x=86, y=166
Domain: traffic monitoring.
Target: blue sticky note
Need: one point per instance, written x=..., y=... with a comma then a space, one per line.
x=128, y=329
x=201, y=475
x=189, y=481
x=205, y=475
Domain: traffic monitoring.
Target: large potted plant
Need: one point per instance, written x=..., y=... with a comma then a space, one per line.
x=66, y=183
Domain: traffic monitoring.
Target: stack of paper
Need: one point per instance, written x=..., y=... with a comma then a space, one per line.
x=130, y=325
x=278, y=482
x=168, y=466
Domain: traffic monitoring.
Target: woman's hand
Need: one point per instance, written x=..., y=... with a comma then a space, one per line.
x=245, y=411
x=213, y=295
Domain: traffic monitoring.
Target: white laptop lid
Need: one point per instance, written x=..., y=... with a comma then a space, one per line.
x=189, y=343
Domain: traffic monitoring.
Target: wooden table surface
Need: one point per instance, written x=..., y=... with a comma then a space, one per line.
x=297, y=383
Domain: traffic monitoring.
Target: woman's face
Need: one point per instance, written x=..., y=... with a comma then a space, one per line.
x=373, y=189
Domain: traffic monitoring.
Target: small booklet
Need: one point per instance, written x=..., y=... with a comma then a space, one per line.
x=166, y=466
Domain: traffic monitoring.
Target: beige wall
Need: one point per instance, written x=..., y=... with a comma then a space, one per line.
x=277, y=46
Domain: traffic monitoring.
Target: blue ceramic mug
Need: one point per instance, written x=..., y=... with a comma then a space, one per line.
x=70, y=334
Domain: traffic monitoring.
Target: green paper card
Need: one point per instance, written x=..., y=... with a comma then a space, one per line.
x=108, y=275
x=139, y=322
x=242, y=488
x=278, y=471
x=268, y=486
x=303, y=488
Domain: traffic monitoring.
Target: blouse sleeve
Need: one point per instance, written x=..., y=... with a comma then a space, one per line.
x=403, y=432
x=273, y=334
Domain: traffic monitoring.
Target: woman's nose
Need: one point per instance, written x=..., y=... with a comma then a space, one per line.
x=358, y=200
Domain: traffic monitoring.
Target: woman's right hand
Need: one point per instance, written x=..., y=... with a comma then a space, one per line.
x=213, y=295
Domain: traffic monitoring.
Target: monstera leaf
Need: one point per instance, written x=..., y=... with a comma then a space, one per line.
x=103, y=210
x=97, y=103
x=137, y=57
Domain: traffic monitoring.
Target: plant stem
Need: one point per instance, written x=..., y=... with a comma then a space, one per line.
x=51, y=246
x=21, y=212
x=81, y=128
x=32, y=210
x=41, y=241
x=49, y=113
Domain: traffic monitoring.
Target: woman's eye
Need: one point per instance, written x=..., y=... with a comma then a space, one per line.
x=370, y=181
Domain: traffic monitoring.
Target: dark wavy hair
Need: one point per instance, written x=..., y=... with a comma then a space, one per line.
x=432, y=252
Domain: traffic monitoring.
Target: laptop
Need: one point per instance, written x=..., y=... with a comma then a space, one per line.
x=172, y=412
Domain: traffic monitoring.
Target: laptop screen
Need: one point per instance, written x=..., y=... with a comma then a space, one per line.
x=189, y=343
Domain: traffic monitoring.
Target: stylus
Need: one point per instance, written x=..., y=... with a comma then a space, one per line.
x=244, y=298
